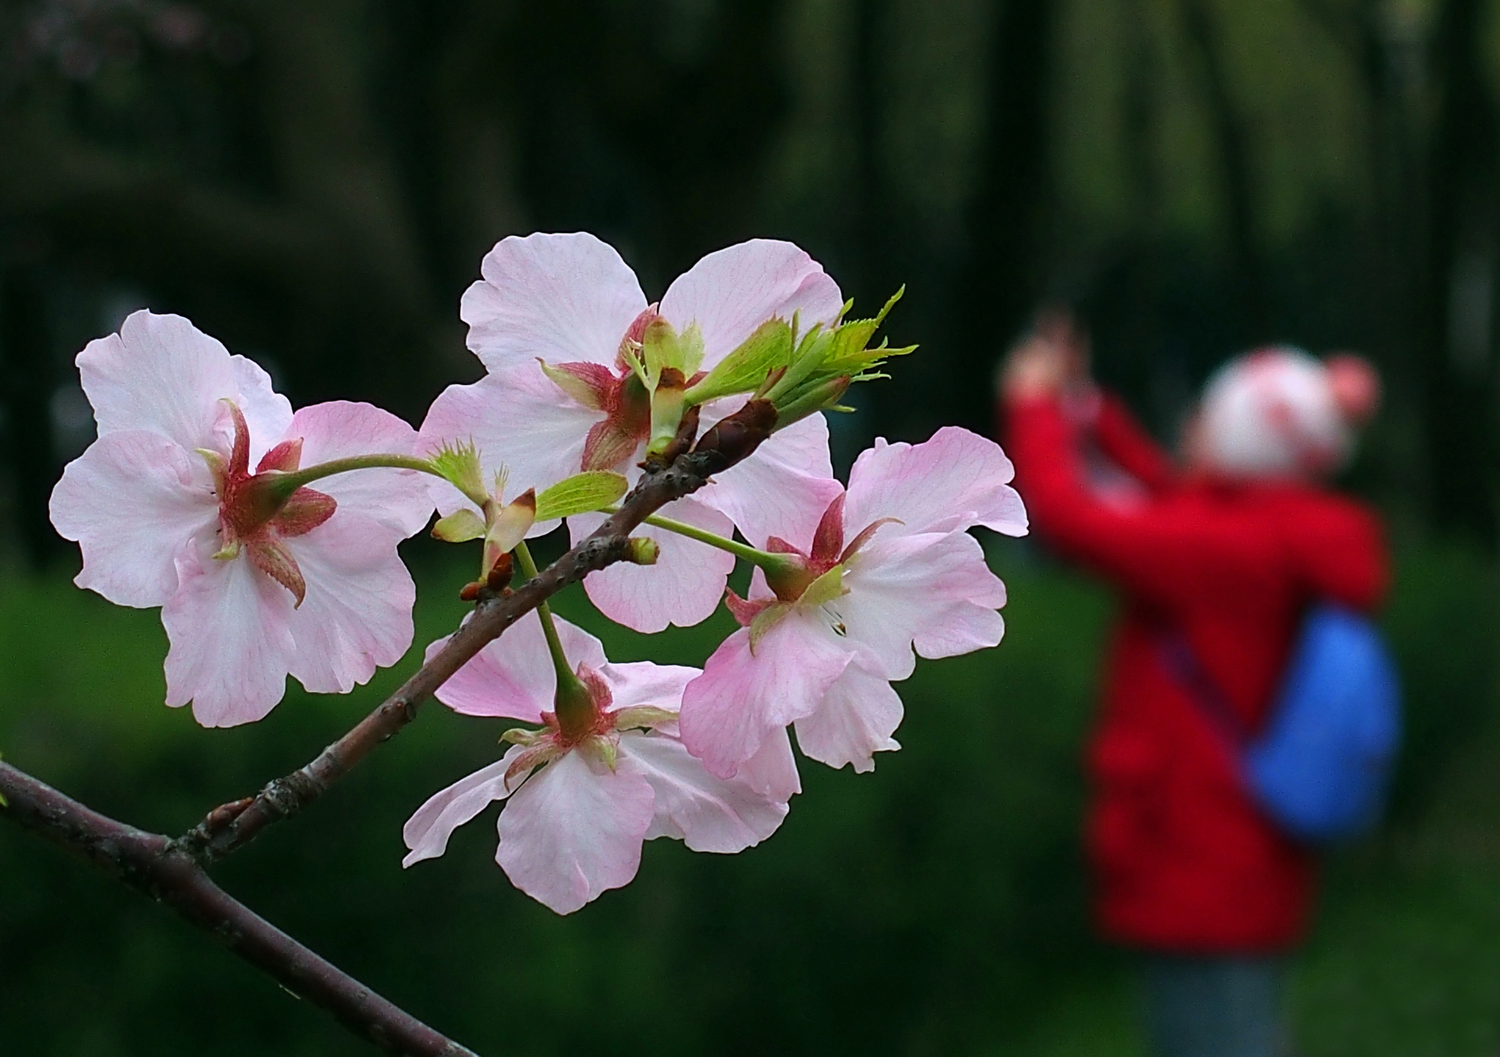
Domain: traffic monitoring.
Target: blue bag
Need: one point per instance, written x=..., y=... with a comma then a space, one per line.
x=1321, y=765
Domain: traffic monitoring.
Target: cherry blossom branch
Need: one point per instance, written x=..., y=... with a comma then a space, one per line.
x=153, y=865
x=232, y=825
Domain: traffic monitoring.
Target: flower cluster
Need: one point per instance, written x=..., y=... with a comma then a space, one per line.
x=198, y=497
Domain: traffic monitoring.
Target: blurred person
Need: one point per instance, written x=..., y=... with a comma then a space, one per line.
x=1223, y=555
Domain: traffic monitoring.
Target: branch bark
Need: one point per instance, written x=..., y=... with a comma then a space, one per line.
x=173, y=871
x=152, y=865
x=232, y=825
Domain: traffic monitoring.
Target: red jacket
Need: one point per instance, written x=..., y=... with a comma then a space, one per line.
x=1182, y=859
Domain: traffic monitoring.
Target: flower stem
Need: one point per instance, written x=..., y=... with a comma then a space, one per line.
x=298, y=478
x=765, y=559
x=287, y=482
x=573, y=701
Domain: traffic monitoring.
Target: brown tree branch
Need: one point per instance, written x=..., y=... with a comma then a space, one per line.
x=151, y=864
x=235, y=824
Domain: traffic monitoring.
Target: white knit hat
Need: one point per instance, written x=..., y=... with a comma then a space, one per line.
x=1273, y=412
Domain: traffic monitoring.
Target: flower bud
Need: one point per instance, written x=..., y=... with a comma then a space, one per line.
x=642, y=550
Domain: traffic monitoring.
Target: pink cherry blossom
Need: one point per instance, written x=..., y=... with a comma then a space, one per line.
x=887, y=572
x=572, y=303
x=574, y=828
x=169, y=512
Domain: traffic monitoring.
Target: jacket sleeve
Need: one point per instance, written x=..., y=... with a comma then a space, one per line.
x=1122, y=439
x=1161, y=555
x=1340, y=551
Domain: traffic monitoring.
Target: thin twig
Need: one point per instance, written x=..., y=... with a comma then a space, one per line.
x=231, y=826
x=151, y=864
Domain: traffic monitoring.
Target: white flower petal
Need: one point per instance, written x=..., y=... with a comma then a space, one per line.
x=708, y=813
x=953, y=480
x=426, y=833
x=229, y=626
x=520, y=421
x=164, y=375
x=856, y=719
x=565, y=298
x=159, y=373
x=964, y=628
x=744, y=695
x=773, y=768
x=267, y=413
x=683, y=587
x=732, y=291
x=512, y=676
x=356, y=616
x=899, y=588
x=131, y=500
x=340, y=429
x=570, y=833
x=637, y=684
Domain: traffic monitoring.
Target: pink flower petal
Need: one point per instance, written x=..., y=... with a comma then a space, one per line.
x=130, y=501
x=899, y=588
x=340, y=428
x=229, y=626
x=856, y=719
x=564, y=298
x=521, y=422
x=164, y=375
x=954, y=480
x=782, y=489
x=637, y=684
x=708, y=813
x=267, y=413
x=732, y=291
x=512, y=676
x=682, y=588
x=426, y=833
x=964, y=628
x=772, y=771
x=570, y=833
x=742, y=697
x=356, y=615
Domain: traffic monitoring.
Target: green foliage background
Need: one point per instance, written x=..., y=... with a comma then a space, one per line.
x=936, y=906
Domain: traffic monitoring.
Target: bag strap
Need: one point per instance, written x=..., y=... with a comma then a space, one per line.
x=1184, y=666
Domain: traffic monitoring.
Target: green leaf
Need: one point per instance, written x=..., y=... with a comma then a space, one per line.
x=459, y=527
x=662, y=346
x=827, y=361
x=806, y=362
x=744, y=369
x=581, y=493
x=458, y=461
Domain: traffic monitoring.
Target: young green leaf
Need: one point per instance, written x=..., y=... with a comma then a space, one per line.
x=580, y=494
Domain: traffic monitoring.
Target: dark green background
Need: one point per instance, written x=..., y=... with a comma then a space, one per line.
x=936, y=906
x=315, y=184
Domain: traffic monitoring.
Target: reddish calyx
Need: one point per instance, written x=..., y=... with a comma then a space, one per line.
x=619, y=394
x=791, y=577
x=582, y=708
x=255, y=515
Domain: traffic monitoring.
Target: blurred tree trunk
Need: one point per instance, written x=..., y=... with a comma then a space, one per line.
x=1435, y=163
x=1463, y=181
x=1237, y=178
x=1005, y=267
